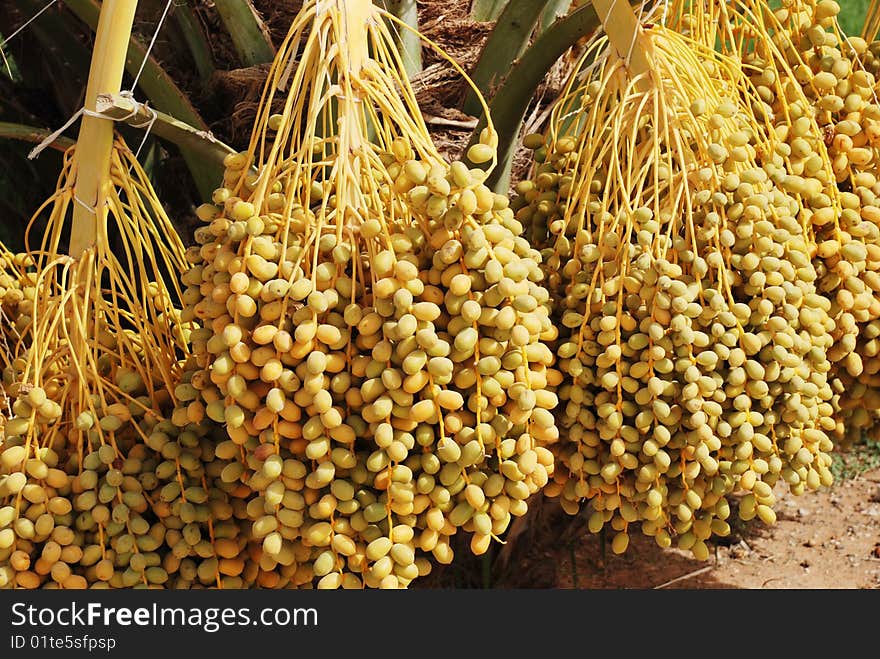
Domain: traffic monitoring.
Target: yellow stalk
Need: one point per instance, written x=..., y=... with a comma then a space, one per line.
x=626, y=35
x=356, y=15
x=872, y=21
x=355, y=50
x=95, y=143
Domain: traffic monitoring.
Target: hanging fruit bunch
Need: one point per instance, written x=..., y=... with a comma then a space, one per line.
x=693, y=338
x=374, y=326
x=98, y=366
x=817, y=88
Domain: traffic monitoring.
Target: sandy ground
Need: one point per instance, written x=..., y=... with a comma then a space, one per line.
x=826, y=539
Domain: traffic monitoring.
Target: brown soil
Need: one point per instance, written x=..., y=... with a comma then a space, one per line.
x=826, y=539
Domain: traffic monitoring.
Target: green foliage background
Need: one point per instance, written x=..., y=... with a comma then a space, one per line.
x=852, y=15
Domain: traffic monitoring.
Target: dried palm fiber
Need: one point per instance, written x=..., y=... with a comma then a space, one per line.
x=374, y=324
x=693, y=338
x=818, y=88
x=98, y=364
